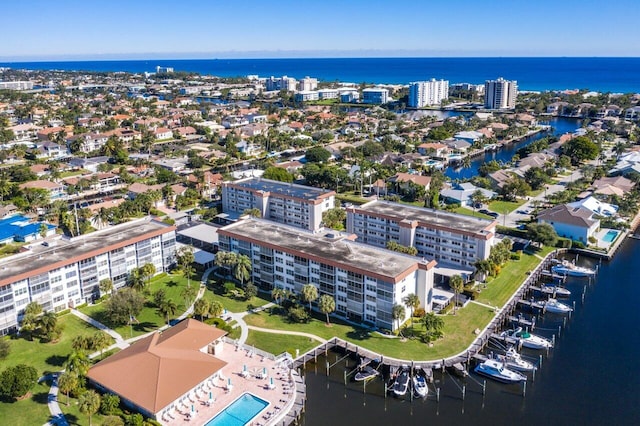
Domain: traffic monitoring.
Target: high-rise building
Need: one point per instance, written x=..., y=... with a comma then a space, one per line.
x=375, y=95
x=500, y=94
x=426, y=93
x=307, y=84
x=365, y=281
x=281, y=83
x=296, y=205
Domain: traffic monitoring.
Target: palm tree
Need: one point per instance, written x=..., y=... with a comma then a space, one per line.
x=277, y=294
x=477, y=197
x=89, y=403
x=411, y=301
x=106, y=286
x=398, y=312
x=77, y=362
x=147, y=271
x=47, y=323
x=225, y=259
x=457, y=284
x=327, y=304
x=67, y=383
x=189, y=293
x=215, y=309
x=201, y=308
x=309, y=294
x=168, y=308
x=242, y=269
x=136, y=279
x=433, y=325
x=100, y=341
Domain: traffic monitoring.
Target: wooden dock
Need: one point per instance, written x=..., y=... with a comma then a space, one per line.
x=531, y=304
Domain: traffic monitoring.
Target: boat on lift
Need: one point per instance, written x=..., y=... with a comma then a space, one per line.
x=420, y=387
x=552, y=305
x=365, y=373
x=496, y=370
x=528, y=340
x=565, y=267
x=514, y=361
x=555, y=290
x=401, y=383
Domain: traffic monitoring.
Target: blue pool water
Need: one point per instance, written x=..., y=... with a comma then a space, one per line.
x=239, y=412
x=610, y=236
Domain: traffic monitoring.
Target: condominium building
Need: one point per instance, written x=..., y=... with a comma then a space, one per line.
x=281, y=83
x=296, y=205
x=365, y=281
x=307, y=84
x=375, y=95
x=449, y=238
x=427, y=93
x=67, y=273
x=306, y=96
x=500, y=94
x=16, y=85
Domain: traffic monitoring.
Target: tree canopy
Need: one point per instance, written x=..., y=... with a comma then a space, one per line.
x=16, y=381
x=277, y=173
x=580, y=149
x=317, y=154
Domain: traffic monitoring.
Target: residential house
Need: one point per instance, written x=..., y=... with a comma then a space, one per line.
x=596, y=206
x=460, y=193
x=162, y=133
x=56, y=190
x=87, y=142
x=435, y=149
x=575, y=223
x=617, y=185
x=403, y=181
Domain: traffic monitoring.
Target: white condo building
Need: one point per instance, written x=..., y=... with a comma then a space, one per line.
x=296, y=205
x=365, y=281
x=500, y=94
x=449, y=238
x=307, y=84
x=67, y=273
x=375, y=95
x=427, y=93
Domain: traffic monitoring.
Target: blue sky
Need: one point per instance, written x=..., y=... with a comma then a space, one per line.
x=95, y=29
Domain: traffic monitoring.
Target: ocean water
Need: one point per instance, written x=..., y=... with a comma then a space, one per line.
x=599, y=74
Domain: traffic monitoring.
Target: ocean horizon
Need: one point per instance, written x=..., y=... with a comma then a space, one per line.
x=614, y=74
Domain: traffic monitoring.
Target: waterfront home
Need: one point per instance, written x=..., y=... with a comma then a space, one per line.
x=575, y=223
x=55, y=190
x=596, y=206
x=436, y=149
x=470, y=136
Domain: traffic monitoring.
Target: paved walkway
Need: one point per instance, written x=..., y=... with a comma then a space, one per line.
x=495, y=308
x=57, y=417
x=120, y=342
x=292, y=333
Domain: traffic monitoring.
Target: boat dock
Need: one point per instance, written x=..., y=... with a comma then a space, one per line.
x=530, y=303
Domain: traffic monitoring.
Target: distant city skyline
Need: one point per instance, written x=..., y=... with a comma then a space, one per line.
x=192, y=29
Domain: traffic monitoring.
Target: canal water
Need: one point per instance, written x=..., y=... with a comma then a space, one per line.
x=590, y=377
x=560, y=126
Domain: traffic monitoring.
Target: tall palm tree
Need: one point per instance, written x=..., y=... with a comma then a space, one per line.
x=168, y=308
x=242, y=269
x=189, y=293
x=47, y=323
x=277, y=294
x=309, y=293
x=89, y=403
x=100, y=341
x=201, y=308
x=67, y=383
x=327, y=304
x=215, y=308
x=397, y=313
x=78, y=362
x=457, y=284
x=411, y=301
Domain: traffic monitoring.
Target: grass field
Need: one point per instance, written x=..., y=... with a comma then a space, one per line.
x=458, y=334
x=148, y=319
x=503, y=207
x=468, y=212
x=278, y=343
x=233, y=303
x=500, y=289
x=46, y=358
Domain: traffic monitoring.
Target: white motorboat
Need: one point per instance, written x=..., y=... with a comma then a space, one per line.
x=420, y=385
x=555, y=290
x=567, y=268
x=527, y=339
x=401, y=383
x=552, y=305
x=497, y=371
x=514, y=361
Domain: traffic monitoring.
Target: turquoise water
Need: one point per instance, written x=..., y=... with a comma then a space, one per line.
x=610, y=236
x=240, y=412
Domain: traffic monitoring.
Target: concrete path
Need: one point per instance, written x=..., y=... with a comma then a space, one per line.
x=57, y=418
x=120, y=342
x=495, y=308
x=292, y=333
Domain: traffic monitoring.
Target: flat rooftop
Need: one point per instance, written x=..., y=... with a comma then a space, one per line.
x=329, y=247
x=202, y=232
x=65, y=251
x=283, y=188
x=431, y=216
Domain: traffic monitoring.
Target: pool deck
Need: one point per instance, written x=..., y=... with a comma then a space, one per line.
x=281, y=398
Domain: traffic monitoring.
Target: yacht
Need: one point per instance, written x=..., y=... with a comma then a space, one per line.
x=555, y=290
x=497, y=371
x=527, y=339
x=514, y=361
x=552, y=305
x=567, y=268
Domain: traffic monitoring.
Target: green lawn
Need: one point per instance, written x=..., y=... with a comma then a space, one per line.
x=468, y=212
x=70, y=173
x=233, y=303
x=148, y=319
x=279, y=343
x=500, y=289
x=46, y=358
x=458, y=334
x=503, y=207
x=28, y=412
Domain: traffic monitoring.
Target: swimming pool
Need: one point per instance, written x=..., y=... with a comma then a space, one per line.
x=610, y=236
x=239, y=412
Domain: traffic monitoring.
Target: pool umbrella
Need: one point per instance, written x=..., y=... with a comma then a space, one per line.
x=271, y=382
x=264, y=372
x=193, y=409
